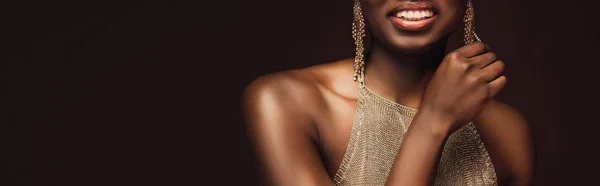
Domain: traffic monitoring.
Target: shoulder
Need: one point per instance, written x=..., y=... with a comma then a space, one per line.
x=293, y=97
x=283, y=90
x=299, y=87
x=279, y=95
x=508, y=138
x=282, y=112
x=281, y=86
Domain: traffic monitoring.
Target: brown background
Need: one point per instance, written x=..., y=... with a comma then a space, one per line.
x=147, y=92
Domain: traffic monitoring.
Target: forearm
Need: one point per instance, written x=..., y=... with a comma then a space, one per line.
x=419, y=154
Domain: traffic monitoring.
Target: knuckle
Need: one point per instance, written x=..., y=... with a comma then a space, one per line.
x=479, y=45
x=501, y=65
x=462, y=65
x=492, y=56
x=454, y=56
x=475, y=79
x=503, y=81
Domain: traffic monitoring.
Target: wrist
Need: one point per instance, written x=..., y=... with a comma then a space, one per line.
x=434, y=123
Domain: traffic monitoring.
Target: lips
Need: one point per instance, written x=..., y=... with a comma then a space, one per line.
x=413, y=16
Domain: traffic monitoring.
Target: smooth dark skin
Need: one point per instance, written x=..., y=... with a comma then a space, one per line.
x=300, y=120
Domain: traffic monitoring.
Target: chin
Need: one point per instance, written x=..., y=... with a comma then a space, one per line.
x=412, y=46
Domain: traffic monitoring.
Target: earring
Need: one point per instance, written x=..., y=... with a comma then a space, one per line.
x=358, y=33
x=469, y=19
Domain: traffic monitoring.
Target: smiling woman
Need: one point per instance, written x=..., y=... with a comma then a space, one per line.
x=426, y=117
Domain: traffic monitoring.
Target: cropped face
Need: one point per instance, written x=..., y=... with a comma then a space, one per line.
x=412, y=26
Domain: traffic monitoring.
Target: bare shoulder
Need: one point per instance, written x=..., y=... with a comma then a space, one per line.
x=297, y=94
x=280, y=95
x=508, y=138
x=281, y=111
x=291, y=87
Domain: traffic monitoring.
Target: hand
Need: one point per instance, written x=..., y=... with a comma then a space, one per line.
x=462, y=85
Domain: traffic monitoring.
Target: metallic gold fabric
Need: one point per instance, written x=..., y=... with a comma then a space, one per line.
x=377, y=133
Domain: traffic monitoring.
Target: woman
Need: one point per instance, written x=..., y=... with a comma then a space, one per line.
x=318, y=126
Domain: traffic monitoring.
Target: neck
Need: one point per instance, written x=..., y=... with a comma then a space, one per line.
x=402, y=77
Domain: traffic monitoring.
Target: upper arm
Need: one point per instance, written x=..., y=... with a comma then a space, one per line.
x=283, y=133
x=507, y=137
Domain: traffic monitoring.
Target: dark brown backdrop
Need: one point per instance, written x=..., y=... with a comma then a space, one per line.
x=147, y=92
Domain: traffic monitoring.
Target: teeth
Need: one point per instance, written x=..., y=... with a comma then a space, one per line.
x=428, y=13
x=415, y=15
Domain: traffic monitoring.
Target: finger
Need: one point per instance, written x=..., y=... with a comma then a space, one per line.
x=492, y=71
x=472, y=49
x=497, y=85
x=488, y=48
x=483, y=60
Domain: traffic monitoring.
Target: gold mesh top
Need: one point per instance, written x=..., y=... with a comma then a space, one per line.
x=377, y=134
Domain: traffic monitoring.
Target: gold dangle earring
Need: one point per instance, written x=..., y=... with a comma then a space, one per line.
x=358, y=33
x=469, y=19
